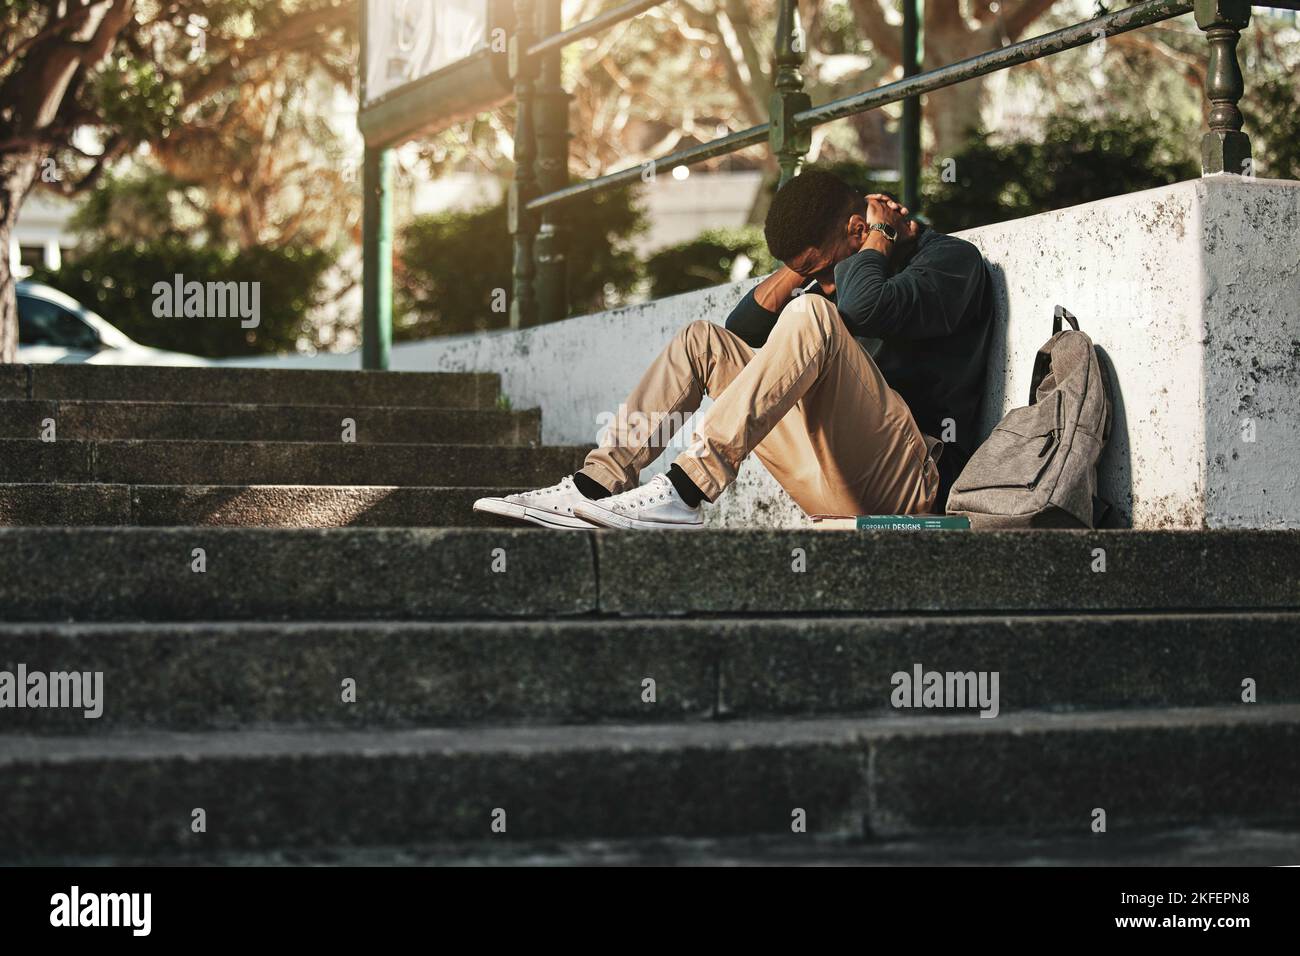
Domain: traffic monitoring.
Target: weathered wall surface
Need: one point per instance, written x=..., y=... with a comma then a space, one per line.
x=1192, y=291
x=1250, y=233
x=1130, y=269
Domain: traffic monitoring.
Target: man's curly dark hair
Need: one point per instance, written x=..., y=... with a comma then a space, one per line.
x=807, y=211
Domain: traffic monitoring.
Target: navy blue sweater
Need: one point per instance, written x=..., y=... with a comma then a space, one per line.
x=933, y=317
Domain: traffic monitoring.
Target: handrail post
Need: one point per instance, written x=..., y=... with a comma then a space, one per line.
x=522, y=223
x=552, y=170
x=376, y=257
x=909, y=157
x=1225, y=148
x=788, y=142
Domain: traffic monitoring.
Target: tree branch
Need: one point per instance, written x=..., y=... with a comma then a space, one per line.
x=296, y=33
x=50, y=29
x=1024, y=14
x=870, y=17
x=738, y=75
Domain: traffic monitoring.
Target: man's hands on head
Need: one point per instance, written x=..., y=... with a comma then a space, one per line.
x=881, y=208
x=889, y=212
x=774, y=291
x=820, y=264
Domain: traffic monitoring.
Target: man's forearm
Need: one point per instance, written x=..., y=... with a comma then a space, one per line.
x=876, y=240
x=774, y=292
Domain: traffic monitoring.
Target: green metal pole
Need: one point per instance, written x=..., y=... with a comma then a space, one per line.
x=523, y=224
x=787, y=142
x=910, y=131
x=552, y=171
x=377, y=259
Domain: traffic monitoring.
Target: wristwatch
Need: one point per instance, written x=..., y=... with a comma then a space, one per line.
x=886, y=230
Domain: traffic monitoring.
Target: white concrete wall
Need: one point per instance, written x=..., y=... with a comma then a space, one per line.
x=1250, y=233
x=1192, y=291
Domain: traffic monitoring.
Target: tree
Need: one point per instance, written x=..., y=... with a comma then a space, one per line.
x=697, y=69
x=1273, y=121
x=953, y=31
x=453, y=268
x=711, y=258
x=117, y=280
x=680, y=74
x=130, y=73
x=1075, y=161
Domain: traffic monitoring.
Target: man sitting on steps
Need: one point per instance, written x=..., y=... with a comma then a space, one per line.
x=844, y=431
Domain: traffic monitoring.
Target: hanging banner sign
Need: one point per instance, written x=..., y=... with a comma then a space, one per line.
x=407, y=40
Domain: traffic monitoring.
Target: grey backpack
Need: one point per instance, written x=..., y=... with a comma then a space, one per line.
x=1039, y=467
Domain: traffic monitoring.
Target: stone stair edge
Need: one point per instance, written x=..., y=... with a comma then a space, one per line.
x=119, y=485
x=632, y=539
x=459, y=673
x=1029, y=773
x=90, y=369
x=82, y=443
x=268, y=406
x=155, y=382
x=308, y=626
x=34, y=749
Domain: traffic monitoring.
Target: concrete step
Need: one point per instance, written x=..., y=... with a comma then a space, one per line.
x=888, y=571
x=119, y=574
x=247, y=422
x=271, y=506
x=212, y=676
x=1178, y=846
x=349, y=573
x=282, y=463
x=1022, y=773
x=159, y=383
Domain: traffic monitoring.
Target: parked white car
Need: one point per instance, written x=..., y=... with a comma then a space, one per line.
x=53, y=327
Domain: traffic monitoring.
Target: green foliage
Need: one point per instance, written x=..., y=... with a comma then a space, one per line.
x=862, y=178
x=1272, y=111
x=451, y=266
x=135, y=97
x=136, y=206
x=1077, y=161
x=706, y=260
x=117, y=281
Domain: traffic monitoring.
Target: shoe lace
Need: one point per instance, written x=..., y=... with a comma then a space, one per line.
x=564, y=485
x=658, y=489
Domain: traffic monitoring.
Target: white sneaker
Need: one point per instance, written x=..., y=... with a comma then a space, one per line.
x=654, y=506
x=551, y=507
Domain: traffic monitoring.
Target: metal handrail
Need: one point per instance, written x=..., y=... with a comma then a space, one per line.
x=1121, y=21
x=1048, y=44
x=541, y=127
x=539, y=151
x=589, y=27
x=682, y=157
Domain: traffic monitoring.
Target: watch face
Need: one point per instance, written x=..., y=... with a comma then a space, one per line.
x=886, y=230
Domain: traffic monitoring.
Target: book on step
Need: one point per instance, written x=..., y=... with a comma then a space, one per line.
x=891, y=522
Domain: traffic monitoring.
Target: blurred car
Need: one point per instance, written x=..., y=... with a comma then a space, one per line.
x=53, y=327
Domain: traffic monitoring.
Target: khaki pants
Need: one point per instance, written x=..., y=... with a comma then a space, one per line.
x=811, y=404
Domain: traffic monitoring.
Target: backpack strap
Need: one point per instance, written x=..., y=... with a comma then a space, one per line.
x=1043, y=361
x=1109, y=393
x=1060, y=313
x=1102, y=510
